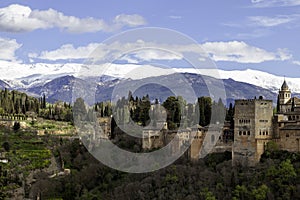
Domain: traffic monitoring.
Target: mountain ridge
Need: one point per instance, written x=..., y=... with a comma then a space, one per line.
x=57, y=84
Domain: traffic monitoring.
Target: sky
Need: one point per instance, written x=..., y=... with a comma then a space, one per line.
x=236, y=34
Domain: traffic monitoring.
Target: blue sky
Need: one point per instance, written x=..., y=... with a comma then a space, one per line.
x=255, y=34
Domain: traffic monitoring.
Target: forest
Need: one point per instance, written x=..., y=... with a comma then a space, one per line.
x=275, y=177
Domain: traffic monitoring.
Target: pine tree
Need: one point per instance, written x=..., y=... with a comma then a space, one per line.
x=278, y=104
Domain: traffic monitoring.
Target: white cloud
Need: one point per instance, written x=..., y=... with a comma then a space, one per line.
x=175, y=17
x=103, y=51
x=238, y=51
x=256, y=33
x=19, y=18
x=275, y=3
x=129, y=20
x=265, y=21
x=284, y=54
x=66, y=52
x=234, y=51
x=296, y=62
x=8, y=48
x=151, y=54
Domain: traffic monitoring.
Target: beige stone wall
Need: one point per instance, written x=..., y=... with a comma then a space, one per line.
x=152, y=139
x=289, y=140
x=253, y=123
x=260, y=147
x=196, y=145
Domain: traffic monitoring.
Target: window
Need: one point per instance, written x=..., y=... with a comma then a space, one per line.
x=287, y=135
x=263, y=120
x=244, y=132
x=248, y=132
x=240, y=132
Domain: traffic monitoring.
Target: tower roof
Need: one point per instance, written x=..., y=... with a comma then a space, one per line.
x=284, y=86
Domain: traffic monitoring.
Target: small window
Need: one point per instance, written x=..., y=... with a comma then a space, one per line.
x=240, y=132
x=263, y=133
x=259, y=132
x=267, y=133
x=287, y=135
x=244, y=132
x=248, y=132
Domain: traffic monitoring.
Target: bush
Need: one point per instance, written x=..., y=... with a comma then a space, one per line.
x=16, y=126
x=6, y=146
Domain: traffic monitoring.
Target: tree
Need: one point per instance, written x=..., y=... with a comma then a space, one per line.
x=44, y=102
x=218, y=112
x=207, y=195
x=260, y=193
x=173, y=107
x=286, y=171
x=278, y=104
x=205, y=110
x=16, y=126
x=80, y=111
x=6, y=146
x=230, y=115
x=240, y=192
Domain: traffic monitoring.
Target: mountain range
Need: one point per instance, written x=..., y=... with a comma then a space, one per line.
x=57, y=82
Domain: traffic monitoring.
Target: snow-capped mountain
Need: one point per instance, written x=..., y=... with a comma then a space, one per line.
x=26, y=76
x=262, y=79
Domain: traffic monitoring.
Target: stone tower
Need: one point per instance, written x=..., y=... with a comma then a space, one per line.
x=252, y=130
x=284, y=98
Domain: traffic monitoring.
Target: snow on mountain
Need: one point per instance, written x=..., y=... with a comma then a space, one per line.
x=262, y=79
x=19, y=75
x=254, y=77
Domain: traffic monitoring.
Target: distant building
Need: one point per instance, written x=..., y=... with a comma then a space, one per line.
x=287, y=103
x=255, y=124
x=252, y=130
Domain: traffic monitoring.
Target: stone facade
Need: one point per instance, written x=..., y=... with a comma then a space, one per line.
x=252, y=130
x=287, y=103
x=256, y=125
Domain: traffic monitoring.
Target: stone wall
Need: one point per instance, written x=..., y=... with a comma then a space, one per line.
x=252, y=129
x=289, y=138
